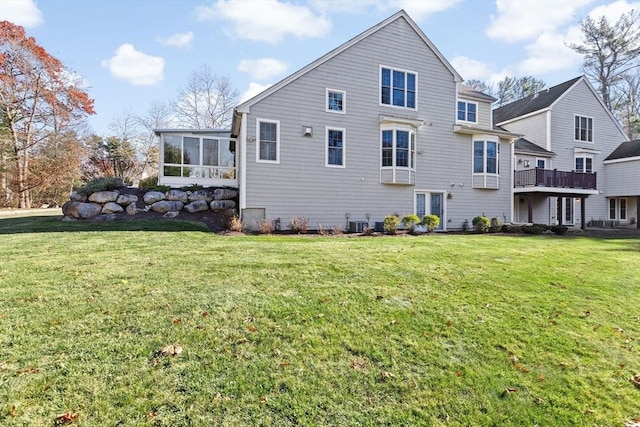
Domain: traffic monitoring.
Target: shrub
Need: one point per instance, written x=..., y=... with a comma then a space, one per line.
x=299, y=225
x=510, y=228
x=337, y=230
x=322, y=230
x=481, y=223
x=390, y=224
x=560, y=229
x=100, y=184
x=235, y=224
x=431, y=222
x=368, y=231
x=408, y=221
x=266, y=226
x=496, y=225
x=150, y=182
x=192, y=187
x=534, y=228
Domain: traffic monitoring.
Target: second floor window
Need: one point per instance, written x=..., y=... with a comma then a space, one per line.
x=467, y=111
x=268, y=141
x=398, y=148
x=397, y=88
x=335, y=147
x=485, y=157
x=583, y=129
x=335, y=101
x=584, y=164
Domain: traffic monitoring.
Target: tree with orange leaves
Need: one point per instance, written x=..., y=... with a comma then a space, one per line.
x=39, y=100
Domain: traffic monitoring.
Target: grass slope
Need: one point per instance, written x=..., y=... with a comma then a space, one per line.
x=283, y=330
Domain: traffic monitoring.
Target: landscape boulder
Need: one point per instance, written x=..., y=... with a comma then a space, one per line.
x=170, y=214
x=197, y=206
x=104, y=196
x=177, y=196
x=224, y=194
x=77, y=197
x=81, y=210
x=152, y=197
x=205, y=195
x=165, y=206
x=111, y=207
x=219, y=205
x=126, y=199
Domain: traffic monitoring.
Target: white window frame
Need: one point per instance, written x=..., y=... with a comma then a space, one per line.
x=584, y=158
x=412, y=147
x=344, y=147
x=619, y=213
x=277, y=123
x=466, y=111
x=344, y=101
x=544, y=161
x=579, y=128
x=485, y=139
x=390, y=104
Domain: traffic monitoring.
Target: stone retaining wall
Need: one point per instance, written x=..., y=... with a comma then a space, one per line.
x=106, y=205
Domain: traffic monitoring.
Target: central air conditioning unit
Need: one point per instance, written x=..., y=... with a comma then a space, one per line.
x=357, y=226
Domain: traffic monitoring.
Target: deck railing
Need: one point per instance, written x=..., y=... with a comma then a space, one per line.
x=555, y=179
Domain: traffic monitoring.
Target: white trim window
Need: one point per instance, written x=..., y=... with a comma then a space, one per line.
x=583, y=128
x=398, y=88
x=397, y=155
x=584, y=163
x=336, y=101
x=467, y=112
x=541, y=163
x=335, y=151
x=267, y=141
x=618, y=209
x=197, y=157
x=486, y=157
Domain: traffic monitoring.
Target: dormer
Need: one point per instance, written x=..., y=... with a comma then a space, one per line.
x=473, y=108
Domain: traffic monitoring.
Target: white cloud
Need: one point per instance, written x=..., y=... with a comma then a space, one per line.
x=418, y=10
x=21, y=12
x=135, y=67
x=263, y=68
x=549, y=53
x=613, y=11
x=472, y=69
x=178, y=40
x=253, y=90
x=268, y=20
x=526, y=20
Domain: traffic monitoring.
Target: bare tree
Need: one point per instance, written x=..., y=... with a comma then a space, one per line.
x=626, y=104
x=509, y=89
x=206, y=101
x=159, y=115
x=610, y=51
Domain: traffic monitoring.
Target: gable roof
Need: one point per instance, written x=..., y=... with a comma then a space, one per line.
x=525, y=146
x=626, y=150
x=532, y=103
x=469, y=92
x=243, y=107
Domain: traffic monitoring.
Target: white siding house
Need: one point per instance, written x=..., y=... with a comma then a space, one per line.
x=375, y=127
x=560, y=174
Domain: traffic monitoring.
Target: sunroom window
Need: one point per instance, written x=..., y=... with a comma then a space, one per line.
x=198, y=157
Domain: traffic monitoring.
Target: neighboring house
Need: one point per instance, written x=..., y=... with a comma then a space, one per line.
x=622, y=169
x=560, y=175
x=377, y=126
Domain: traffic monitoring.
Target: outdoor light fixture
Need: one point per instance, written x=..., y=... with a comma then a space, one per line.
x=307, y=131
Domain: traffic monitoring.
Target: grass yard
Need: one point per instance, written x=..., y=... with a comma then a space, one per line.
x=438, y=330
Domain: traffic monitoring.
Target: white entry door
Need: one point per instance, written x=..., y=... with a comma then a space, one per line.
x=431, y=203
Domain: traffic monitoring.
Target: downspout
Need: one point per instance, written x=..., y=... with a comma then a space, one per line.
x=242, y=175
x=512, y=192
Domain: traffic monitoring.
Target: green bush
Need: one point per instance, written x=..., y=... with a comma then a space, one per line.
x=408, y=221
x=390, y=224
x=149, y=182
x=534, y=228
x=510, y=228
x=560, y=229
x=496, y=225
x=481, y=223
x=431, y=222
x=100, y=184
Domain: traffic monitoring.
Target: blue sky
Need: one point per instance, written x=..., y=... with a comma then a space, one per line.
x=130, y=53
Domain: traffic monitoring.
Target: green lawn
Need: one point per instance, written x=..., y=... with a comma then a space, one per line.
x=451, y=330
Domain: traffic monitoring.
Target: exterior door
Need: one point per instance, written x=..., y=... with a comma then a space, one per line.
x=431, y=203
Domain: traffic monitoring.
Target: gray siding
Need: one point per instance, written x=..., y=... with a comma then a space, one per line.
x=301, y=185
x=622, y=179
x=534, y=128
x=483, y=112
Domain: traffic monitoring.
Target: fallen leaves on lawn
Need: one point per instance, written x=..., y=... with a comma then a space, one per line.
x=66, y=418
x=27, y=370
x=171, y=350
x=359, y=364
x=177, y=321
x=636, y=380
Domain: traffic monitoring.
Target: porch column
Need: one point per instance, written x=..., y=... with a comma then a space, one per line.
x=583, y=210
x=530, y=208
x=637, y=211
x=560, y=210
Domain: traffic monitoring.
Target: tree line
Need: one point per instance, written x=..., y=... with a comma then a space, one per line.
x=47, y=148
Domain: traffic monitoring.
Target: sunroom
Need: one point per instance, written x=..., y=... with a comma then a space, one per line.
x=203, y=157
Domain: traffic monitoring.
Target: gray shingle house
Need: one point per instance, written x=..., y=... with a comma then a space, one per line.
x=382, y=125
